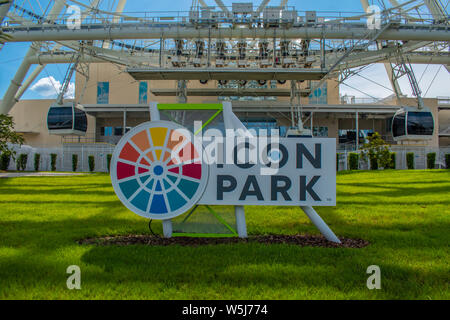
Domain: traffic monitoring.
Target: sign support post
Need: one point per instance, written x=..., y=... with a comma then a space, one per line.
x=320, y=224
x=240, y=221
x=154, y=116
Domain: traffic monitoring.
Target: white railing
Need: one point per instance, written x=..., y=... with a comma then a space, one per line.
x=420, y=157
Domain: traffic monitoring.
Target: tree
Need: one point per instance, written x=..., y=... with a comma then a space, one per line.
x=377, y=151
x=8, y=135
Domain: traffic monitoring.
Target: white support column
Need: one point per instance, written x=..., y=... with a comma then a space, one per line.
x=154, y=116
x=320, y=224
x=167, y=228
x=124, y=122
x=240, y=221
x=9, y=99
x=357, y=131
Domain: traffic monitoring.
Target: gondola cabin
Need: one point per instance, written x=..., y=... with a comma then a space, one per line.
x=410, y=123
x=66, y=119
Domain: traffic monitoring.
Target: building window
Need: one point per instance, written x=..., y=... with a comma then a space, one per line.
x=319, y=131
x=102, y=92
x=143, y=92
x=106, y=131
x=118, y=131
x=262, y=127
x=319, y=96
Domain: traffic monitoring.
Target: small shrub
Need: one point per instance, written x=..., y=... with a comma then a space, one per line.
x=393, y=162
x=4, y=161
x=74, y=162
x=37, y=161
x=431, y=160
x=91, y=161
x=410, y=160
x=53, y=157
x=108, y=161
x=373, y=163
x=447, y=161
x=353, y=161
x=21, y=162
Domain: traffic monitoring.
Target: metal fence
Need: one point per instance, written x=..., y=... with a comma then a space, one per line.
x=64, y=157
x=420, y=157
x=101, y=150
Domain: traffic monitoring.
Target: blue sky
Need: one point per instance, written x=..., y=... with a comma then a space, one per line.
x=12, y=53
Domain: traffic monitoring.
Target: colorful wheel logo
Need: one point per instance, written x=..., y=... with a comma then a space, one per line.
x=156, y=170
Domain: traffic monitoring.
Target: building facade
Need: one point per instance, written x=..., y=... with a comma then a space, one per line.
x=114, y=102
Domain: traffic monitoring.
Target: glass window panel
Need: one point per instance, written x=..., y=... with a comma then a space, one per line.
x=103, y=92
x=398, y=126
x=420, y=123
x=60, y=118
x=143, y=92
x=80, y=120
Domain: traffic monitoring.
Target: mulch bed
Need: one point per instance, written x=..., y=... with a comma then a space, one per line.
x=299, y=240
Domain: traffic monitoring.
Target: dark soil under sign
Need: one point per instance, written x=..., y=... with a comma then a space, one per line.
x=299, y=240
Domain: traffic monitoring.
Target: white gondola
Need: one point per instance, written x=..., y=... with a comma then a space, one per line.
x=67, y=119
x=412, y=124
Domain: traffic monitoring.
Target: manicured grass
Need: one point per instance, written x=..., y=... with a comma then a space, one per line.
x=404, y=214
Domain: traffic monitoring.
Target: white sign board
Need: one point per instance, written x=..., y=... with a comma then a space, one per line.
x=304, y=175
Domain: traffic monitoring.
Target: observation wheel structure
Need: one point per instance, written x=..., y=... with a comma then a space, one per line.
x=242, y=42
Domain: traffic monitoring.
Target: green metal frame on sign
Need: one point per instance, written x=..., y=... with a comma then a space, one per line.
x=193, y=106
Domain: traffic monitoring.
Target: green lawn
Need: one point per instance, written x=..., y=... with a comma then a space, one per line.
x=404, y=214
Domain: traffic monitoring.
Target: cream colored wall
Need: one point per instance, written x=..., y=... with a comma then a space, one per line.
x=30, y=117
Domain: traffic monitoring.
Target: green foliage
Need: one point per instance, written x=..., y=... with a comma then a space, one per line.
x=410, y=160
x=8, y=135
x=4, y=161
x=108, y=161
x=21, y=162
x=373, y=162
x=53, y=157
x=393, y=160
x=431, y=160
x=37, y=161
x=74, y=162
x=91, y=161
x=353, y=161
x=447, y=161
x=377, y=151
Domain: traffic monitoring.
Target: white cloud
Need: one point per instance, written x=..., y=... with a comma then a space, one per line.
x=49, y=87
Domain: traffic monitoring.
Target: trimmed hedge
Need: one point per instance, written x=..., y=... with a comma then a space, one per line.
x=37, y=161
x=53, y=157
x=4, y=161
x=74, y=162
x=373, y=163
x=91, y=161
x=353, y=161
x=21, y=162
x=393, y=162
x=108, y=161
x=447, y=160
x=431, y=160
x=410, y=160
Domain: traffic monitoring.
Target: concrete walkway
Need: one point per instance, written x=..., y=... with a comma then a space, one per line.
x=37, y=174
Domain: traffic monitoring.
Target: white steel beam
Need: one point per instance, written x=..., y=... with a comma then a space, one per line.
x=9, y=100
x=116, y=19
x=148, y=31
x=387, y=66
x=261, y=7
x=222, y=6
